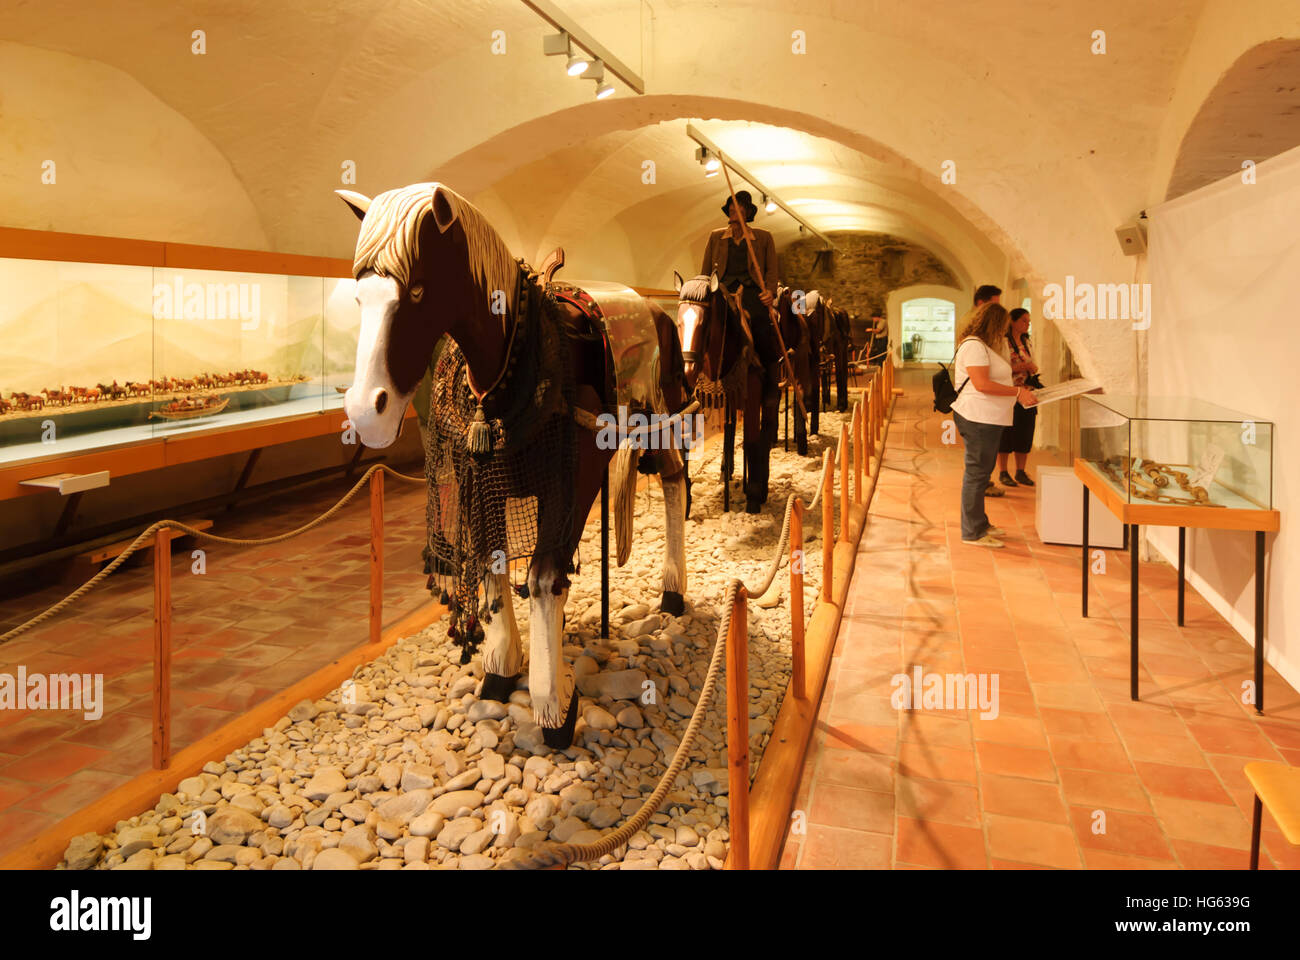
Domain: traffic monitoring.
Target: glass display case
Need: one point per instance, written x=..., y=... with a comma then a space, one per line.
x=1179, y=451
x=98, y=354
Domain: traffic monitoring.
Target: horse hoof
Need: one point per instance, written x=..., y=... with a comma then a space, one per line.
x=672, y=603
x=561, y=738
x=497, y=687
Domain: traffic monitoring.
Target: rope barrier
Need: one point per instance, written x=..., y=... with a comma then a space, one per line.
x=556, y=856
x=148, y=533
x=549, y=855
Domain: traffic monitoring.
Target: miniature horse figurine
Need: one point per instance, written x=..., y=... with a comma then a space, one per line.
x=429, y=264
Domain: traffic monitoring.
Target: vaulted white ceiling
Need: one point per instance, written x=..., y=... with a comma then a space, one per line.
x=1052, y=142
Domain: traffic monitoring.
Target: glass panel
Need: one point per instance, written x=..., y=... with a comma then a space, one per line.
x=1169, y=408
x=75, y=336
x=99, y=354
x=342, y=329
x=1222, y=459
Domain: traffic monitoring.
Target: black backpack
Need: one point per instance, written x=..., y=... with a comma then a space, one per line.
x=944, y=394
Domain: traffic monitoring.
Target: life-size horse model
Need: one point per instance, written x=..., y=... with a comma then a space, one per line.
x=716, y=342
x=512, y=470
x=837, y=340
x=802, y=335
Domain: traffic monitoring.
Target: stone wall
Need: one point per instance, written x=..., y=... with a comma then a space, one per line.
x=864, y=269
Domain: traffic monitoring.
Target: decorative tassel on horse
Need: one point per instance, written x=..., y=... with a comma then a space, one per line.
x=478, y=435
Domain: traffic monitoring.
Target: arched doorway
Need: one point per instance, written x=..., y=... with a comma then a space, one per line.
x=928, y=329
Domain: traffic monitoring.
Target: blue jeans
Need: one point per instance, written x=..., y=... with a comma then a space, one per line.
x=982, y=441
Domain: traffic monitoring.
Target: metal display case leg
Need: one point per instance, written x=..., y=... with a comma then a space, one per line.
x=1259, y=621
x=1084, y=592
x=604, y=556
x=1133, y=612
x=1182, y=573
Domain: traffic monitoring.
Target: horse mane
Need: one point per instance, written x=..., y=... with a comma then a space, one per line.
x=694, y=290
x=389, y=240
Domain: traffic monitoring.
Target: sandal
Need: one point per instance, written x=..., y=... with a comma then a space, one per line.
x=1004, y=478
x=1022, y=478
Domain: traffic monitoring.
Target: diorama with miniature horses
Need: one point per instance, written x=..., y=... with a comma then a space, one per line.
x=530, y=373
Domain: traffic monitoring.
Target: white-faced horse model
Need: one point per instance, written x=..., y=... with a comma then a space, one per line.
x=512, y=460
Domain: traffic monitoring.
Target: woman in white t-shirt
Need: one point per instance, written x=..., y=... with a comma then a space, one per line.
x=986, y=398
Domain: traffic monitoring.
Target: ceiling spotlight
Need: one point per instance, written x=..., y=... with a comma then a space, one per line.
x=604, y=90
x=558, y=44
x=711, y=173
x=769, y=205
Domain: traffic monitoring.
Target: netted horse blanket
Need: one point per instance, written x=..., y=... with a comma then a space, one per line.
x=514, y=500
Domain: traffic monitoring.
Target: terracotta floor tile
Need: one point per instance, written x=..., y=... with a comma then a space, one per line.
x=1204, y=856
x=938, y=801
x=850, y=768
x=1078, y=724
x=834, y=848
x=1120, y=832
x=933, y=763
x=1067, y=696
x=1090, y=755
x=52, y=763
x=1188, y=783
x=833, y=805
x=1194, y=820
x=1181, y=750
x=1032, y=841
x=1014, y=731
x=1112, y=791
x=1106, y=860
x=919, y=727
x=847, y=735
x=1009, y=761
x=1021, y=798
x=940, y=845
x=1240, y=739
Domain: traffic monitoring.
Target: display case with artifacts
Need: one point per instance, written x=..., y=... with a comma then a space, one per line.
x=104, y=354
x=1178, y=451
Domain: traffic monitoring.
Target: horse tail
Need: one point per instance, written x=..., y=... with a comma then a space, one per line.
x=623, y=494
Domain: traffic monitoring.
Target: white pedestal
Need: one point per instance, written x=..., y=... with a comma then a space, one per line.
x=1058, y=512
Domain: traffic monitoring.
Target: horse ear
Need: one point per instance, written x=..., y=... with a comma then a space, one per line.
x=359, y=203
x=677, y=281
x=713, y=283
x=444, y=213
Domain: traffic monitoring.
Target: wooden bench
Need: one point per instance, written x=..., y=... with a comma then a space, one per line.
x=87, y=563
x=1277, y=786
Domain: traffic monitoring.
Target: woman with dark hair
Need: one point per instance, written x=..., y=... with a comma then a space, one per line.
x=985, y=397
x=1019, y=437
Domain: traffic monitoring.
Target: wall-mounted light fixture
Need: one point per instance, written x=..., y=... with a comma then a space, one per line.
x=572, y=35
x=708, y=154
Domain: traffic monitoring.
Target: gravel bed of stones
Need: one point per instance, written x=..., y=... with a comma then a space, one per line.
x=403, y=767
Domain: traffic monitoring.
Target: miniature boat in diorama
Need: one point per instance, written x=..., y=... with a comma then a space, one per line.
x=188, y=408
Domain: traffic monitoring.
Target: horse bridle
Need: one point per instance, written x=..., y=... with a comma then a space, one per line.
x=702, y=330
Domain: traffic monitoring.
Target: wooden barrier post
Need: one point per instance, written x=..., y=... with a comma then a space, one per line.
x=828, y=527
x=738, y=733
x=871, y=447
x=880, y=415
x=796, y=600
x=859, y=459
x=376, y=555
x=162, y=648
x=844, y=481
